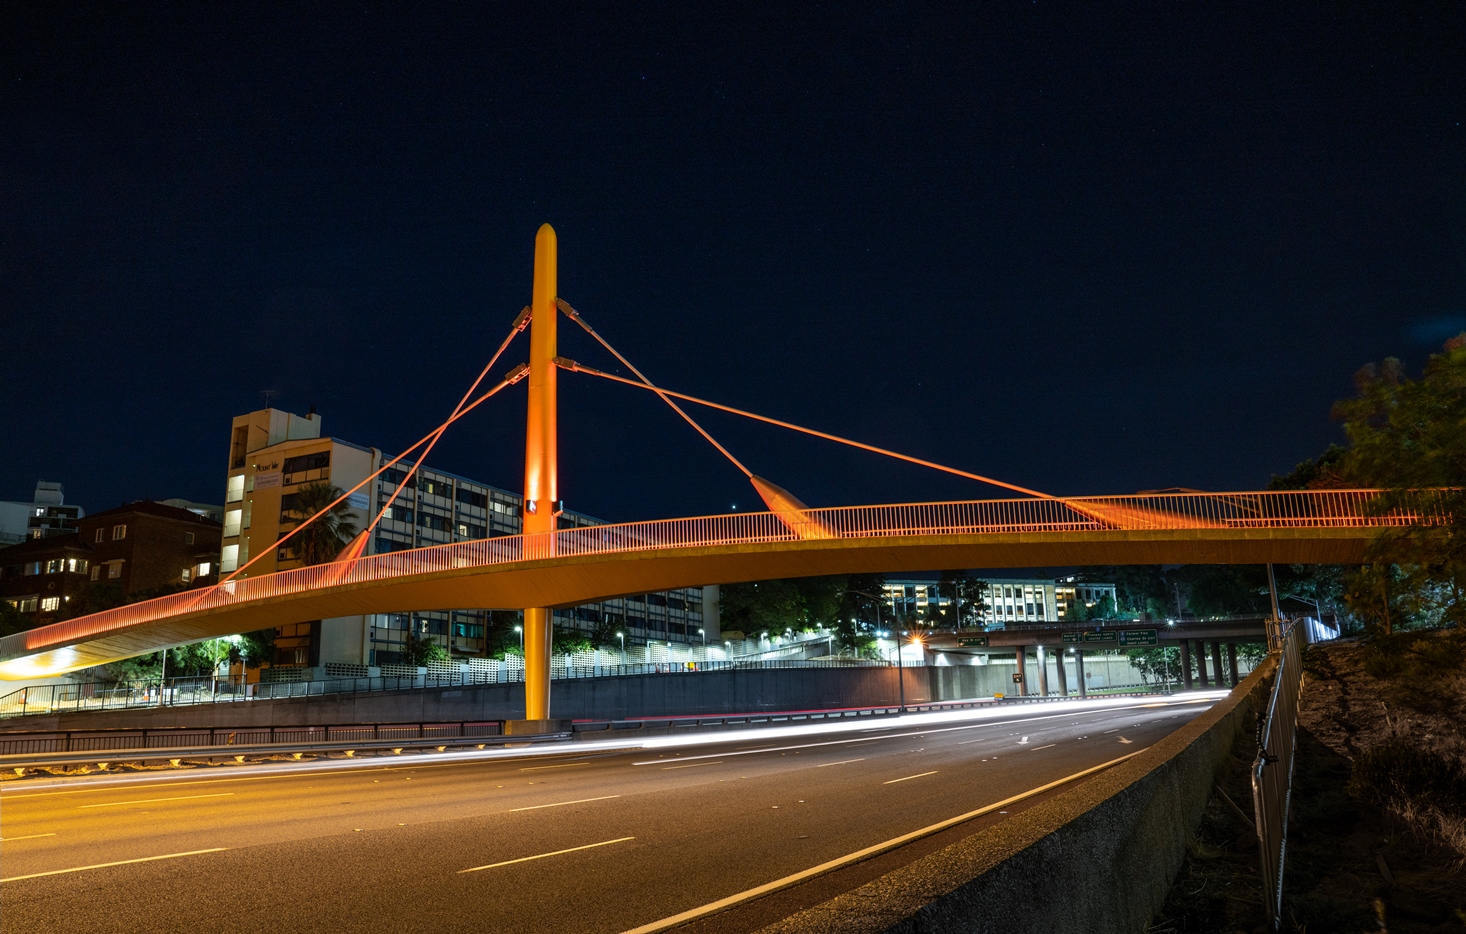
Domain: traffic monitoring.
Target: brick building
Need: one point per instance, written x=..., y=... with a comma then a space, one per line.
x=139, y=548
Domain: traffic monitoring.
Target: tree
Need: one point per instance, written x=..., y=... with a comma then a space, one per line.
x=1158, y=664
x=323, y=539
x=1406, y=436
x=762, y=606
x=421, y=650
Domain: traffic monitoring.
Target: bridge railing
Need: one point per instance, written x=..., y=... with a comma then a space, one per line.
x=1160, y=511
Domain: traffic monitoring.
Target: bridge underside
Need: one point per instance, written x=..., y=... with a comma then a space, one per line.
x=564, y=582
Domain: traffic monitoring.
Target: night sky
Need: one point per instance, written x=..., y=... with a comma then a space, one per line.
x=1082, y=248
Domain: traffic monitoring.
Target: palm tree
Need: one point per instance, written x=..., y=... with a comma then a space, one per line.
x=323, y=539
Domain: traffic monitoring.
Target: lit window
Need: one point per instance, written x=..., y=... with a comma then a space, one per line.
x=26, y=604
x=235, y=491
x=229, y=558
x=114, y=570
x=119, y=532
x=232, y=520
x=187, y=574
x=55, y=565
x=50, y=604
x=205, y=568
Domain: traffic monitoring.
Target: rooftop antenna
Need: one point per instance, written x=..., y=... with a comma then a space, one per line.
x=269, y=395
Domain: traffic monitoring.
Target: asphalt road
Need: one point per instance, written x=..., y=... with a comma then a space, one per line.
x=583, y=838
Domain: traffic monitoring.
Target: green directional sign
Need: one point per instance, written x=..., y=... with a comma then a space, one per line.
x=973, y=641
x=1138, y=637
x=1101, y=636
x=1073, y=636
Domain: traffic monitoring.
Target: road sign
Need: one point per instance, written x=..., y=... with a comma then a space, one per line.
x=973, y=641
x=1017, y=678
x=1138, y=637
x=1073, y=636
x=1103, y=636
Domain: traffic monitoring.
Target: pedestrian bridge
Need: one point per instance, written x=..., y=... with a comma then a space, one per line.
x=582, y=565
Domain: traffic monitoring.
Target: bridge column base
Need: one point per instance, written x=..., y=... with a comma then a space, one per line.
x=535, y=727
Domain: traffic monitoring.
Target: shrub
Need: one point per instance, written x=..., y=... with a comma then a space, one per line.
x=1399, y=774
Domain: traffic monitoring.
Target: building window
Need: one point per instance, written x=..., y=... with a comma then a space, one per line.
x=26, y=604
x=50, y=604
x=188, y=538
x=114, y=570
x=99, y=535
x=306, y=467
x=434, y=487
x=32, y=568
x=96, y=570
x=55, y=565
x=206, y=568
x=77, y=565
x=234, y=492
x=119, y=532
x=232, y=520
x=470, y=498
x=229, y=558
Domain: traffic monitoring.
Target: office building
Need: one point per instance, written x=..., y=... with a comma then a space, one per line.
x=1008, y=601
x=273, y=454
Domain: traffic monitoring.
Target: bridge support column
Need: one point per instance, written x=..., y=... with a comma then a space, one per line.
x=1186, y=663
x=1216, y=659
x=1201, y=664
x=1232, y=663
x=1063, y=675
x=541, y=459
x=1043, y=671
x=1079, y=669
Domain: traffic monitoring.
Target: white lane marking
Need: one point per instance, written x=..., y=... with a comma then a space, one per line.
x=839, y=862
x=536, y=807
x=693, y=765
x=1127, y=742
x=120, y=862
x=29, y=836
x=1049, y=746
x=118, y=804
x=841, y=762
x=525, y=859
x=1108, y=732
x=910, y=777
x=566, y=765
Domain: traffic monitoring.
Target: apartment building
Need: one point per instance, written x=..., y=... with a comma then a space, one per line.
x=273, y=454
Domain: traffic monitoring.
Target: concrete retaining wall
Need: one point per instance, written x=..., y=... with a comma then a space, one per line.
x=694, y=694
x=1098, y=858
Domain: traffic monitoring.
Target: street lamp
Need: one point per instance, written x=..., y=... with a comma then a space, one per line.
x=900, y=670
x=520, y=630
x=622, y=637
x=704, y=634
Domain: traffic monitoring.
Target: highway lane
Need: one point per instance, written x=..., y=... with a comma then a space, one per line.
x=582, y=838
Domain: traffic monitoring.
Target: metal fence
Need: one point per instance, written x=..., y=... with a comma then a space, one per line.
x=1260, y=510
x=1272, y=771
x=69, y=741
x=44, y=699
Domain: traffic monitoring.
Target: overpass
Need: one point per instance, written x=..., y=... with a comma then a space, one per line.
x=546, y=567
x=581, y=565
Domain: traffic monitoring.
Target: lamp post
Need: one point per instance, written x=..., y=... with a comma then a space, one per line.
x=900, y=670
x=704, y=634
x=622, y=637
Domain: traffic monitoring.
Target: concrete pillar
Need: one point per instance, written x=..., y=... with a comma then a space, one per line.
x=1186, y=662
x=1079, y=669
x=1201, y=664
x=1043, y=671
x=1216, y=657
x=1063, y=675
x=1232, y=663
x=1022, y=670
x=541, y=465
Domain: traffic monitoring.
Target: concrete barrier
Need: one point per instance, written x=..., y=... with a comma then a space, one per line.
x=1098, y=858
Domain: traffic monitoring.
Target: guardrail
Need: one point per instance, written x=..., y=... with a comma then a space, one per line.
x=46, y=699
x=1272, y=770
x=1161, y=511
